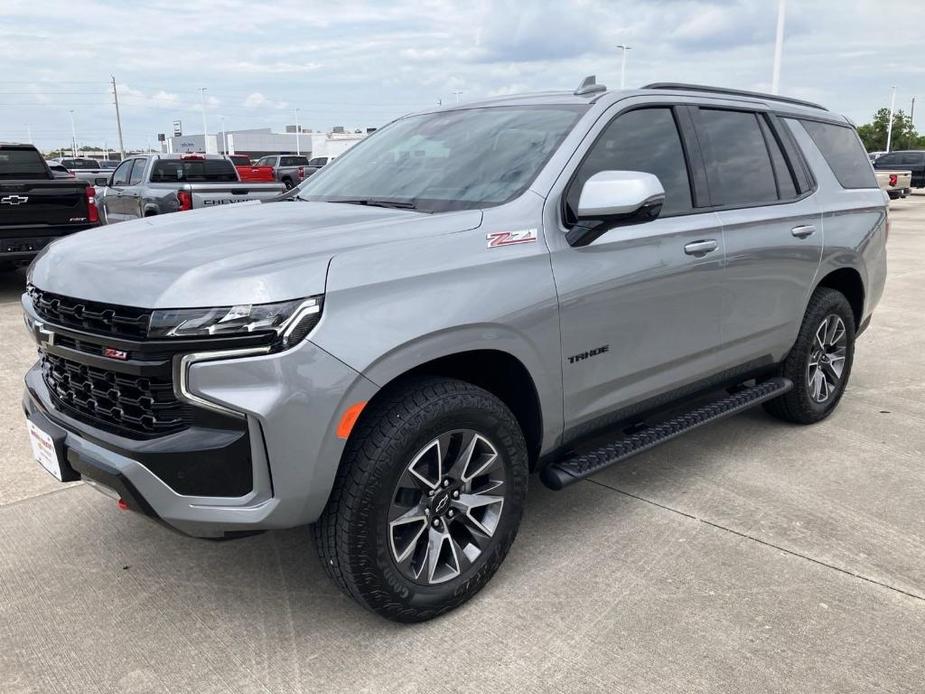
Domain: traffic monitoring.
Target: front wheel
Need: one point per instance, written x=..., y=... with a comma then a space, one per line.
x=820, y=362
x=427, y=501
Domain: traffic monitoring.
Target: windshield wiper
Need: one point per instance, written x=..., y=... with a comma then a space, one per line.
x=370, y=202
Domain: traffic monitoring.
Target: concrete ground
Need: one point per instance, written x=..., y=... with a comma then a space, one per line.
x=749, y=556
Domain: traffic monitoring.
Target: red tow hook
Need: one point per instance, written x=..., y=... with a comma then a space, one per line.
x=122, y=504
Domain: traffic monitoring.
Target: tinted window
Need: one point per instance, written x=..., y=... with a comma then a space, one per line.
x=644, y=140
x=120, y=177
x=786, y=188
x=240, y=160
x=738, y=162
x=913, y=158
x=22, y=163
x=843, y=152
x=294, y=161
x=887, y=160
x=137, y=172
x=266, y=161
x=193, y=171
x=318, y=161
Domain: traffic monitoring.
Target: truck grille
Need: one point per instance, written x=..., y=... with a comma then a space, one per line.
x=107, y=319
x=124, y=404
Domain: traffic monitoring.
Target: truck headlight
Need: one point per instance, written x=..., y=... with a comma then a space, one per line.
x=289, y=321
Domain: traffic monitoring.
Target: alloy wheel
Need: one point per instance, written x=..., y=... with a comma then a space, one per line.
x=827, y=359
x=446, y=507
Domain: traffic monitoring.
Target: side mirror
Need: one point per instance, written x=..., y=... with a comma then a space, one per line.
x=611, y=199
x=102, y=181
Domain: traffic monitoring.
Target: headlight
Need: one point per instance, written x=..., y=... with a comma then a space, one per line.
x=290, y=321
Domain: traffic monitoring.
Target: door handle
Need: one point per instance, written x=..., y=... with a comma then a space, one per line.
x=802, y=232
x=701, y=247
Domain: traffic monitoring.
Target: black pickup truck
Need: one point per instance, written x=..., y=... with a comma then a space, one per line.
x=35, y=207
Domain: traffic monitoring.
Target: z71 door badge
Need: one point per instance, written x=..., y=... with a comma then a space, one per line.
x=497, y=239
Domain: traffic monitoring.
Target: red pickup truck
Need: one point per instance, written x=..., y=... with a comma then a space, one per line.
x=251, y=173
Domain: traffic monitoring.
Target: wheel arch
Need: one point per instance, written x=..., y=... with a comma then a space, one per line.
x=848, y=281
x=499, y=372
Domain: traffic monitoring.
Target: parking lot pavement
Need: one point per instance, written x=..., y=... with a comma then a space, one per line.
x=747, y=556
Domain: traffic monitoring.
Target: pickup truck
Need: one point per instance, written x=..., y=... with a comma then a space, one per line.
x=896, y=184
x=289, y=169
x=83, y=168
x=904, y=160
x=251, y=173
x=161, y=183
x=316, y=164
x=36, y=207
x=556, y=283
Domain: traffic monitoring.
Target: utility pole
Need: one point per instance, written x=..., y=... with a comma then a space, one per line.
x=457, y=92
x=115, y=96
x=298, y=133
x=73, y=135
x=624, y=49
x=205, y=127
x=778, y=47
x=889, y=127
x=224, y=137
x=912, y=113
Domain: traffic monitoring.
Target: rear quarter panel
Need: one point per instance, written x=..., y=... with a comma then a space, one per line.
x=854, y=225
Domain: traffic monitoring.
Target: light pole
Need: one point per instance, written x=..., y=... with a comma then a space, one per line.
x=73, y=135
x=457, y=92
x=623, y=50
x=778, y=47
x=889, y=127
x=298, y=133
x=205, y=126
x=224, y=137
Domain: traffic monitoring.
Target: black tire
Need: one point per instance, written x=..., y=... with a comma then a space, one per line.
x=352, y=535
x=894, y=195
x=798, y=406
x=288, y=183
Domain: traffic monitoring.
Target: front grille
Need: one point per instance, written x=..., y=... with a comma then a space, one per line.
x=106, y=319
x=124, y=404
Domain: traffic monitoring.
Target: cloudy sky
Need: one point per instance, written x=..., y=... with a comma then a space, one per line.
x=362, y=64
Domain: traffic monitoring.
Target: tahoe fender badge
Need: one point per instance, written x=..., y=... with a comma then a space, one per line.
x=497, y=239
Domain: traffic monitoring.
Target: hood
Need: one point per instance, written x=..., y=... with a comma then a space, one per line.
x=241, y=254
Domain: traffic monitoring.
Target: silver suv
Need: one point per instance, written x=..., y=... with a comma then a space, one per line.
x=547, y=283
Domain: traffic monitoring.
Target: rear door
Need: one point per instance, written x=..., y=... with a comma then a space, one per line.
x=639, y=307
x=772, y=225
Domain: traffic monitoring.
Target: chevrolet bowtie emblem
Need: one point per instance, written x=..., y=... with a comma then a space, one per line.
x=14, y=200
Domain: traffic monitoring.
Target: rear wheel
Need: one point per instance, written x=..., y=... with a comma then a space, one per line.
x=820, y=362
x=427, y=501
x=288, y=183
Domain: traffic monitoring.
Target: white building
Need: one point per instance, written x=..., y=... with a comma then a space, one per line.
x=260, y=141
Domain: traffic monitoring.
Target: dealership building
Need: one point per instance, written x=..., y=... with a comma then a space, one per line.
x=260, y=141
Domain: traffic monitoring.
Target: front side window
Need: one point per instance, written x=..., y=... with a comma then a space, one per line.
x=738, y=163
x=843, y=152
x=644, y=140
x=449, y=160
x=120, y=177
x=138, y=172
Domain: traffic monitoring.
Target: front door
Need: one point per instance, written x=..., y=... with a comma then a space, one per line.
x=113, y=195
x=639, y=306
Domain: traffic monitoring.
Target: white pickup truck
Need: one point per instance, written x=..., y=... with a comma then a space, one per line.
x=162, y=183
x=897, y=184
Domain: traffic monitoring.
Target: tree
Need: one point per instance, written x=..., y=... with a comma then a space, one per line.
x=873, y=134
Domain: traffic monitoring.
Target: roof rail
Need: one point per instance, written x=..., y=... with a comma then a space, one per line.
x=734, y=92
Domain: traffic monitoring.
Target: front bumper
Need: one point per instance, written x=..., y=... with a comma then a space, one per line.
x=289, y=405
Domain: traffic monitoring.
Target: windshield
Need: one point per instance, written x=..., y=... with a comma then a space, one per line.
x=451, y=160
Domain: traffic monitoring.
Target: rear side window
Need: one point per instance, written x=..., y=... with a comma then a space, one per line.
x=738, y=161
x=294, y=161
x=643, y=140
x=843, y=152
x=21, y=163
x=193, y=171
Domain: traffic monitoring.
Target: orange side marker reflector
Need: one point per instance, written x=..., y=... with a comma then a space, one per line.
x=349, y=418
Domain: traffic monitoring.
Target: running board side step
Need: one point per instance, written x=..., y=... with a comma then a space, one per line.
x=579, y=466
